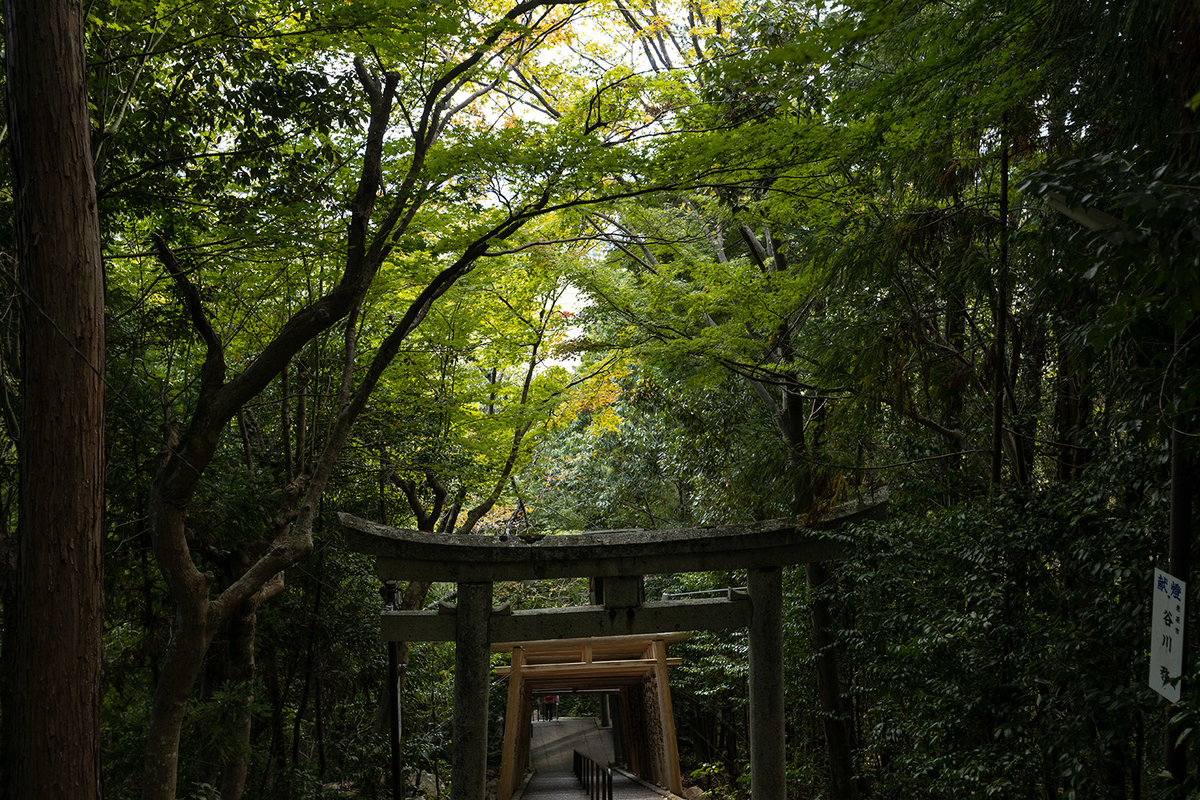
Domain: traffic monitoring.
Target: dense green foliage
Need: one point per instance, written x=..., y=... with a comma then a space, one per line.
x=709, y=262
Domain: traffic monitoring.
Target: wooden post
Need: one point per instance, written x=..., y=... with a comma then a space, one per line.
x=525, y=735
x=513, y=719
x=394, y=719
x=768, y=767
x=472, y=652
x=666, y=716
x=1180, y=566
x=605, y=715
x=630, y=739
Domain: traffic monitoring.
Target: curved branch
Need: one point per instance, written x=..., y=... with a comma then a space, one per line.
x=212, y=374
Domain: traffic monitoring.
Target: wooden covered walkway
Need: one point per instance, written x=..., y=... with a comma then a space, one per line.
x=628, y=675
x=551, y=747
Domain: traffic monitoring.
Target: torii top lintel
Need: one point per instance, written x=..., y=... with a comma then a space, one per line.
x=407, y=554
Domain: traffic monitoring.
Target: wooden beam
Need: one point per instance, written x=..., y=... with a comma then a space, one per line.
x=632, y=666
x=512, y=726
x=667, y=715
x=609, y=646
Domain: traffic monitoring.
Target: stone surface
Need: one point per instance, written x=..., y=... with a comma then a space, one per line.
x=404, y=554
x=550, y=756
x=554, y=741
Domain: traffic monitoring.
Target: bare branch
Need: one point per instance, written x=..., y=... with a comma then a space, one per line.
x=212, y=374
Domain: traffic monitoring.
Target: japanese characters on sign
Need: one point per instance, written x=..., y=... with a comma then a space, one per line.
x=1166, y=634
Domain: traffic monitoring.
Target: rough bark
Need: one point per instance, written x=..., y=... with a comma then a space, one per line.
x=53, y=720
x=835, y=722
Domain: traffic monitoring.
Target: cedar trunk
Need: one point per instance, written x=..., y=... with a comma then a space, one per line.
x=52, y=724
x=835, y=721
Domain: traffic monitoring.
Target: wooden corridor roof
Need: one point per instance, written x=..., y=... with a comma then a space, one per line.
x=587, y=665
x=623, y=667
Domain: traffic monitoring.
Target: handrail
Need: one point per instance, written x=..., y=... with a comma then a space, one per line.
x=596, y=778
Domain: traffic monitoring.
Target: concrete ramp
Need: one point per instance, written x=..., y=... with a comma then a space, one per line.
x=550, y=756
x=552, y=743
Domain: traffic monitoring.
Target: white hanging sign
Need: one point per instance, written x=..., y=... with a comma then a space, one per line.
x=1166, y=634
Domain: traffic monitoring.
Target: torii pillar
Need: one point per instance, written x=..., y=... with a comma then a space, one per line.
x=768, y=765
x=475, y=562
x=472, y=660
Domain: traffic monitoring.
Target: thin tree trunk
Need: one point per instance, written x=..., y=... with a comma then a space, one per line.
x=53, y=630
x=240, y=674
x=834, y=720
x=1033, y=364
x=185, y=654
x=1000, y=322
x=1072, y=410
x=319, y=726
x=273, y=775
x=285, y=422
x=309, y=657
x=1183, y=490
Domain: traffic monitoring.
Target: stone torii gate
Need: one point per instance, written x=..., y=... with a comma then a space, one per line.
x=616, y=561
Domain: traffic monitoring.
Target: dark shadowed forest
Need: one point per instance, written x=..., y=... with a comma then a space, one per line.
x=536, y=267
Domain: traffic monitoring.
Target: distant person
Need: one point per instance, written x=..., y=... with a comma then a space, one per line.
x=551, y=706
x=541, y=709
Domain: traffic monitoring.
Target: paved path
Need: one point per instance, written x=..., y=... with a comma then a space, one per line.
x=550, y=756
x=553, y=741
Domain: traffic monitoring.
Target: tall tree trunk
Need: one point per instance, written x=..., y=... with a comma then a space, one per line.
x=240, y=673
x=1183, y=495
x=309, y=656
x=318, y=726
x=1072, y=412
x=809, y=484
x=185, y=654
x=273, y=775
x=1031, y=368
x=191, y=634
x=54, y=629
x=1000, y=320
x=834, y=719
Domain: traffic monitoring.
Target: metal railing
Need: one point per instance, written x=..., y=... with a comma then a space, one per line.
x=728, y=592
x=596, y=778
